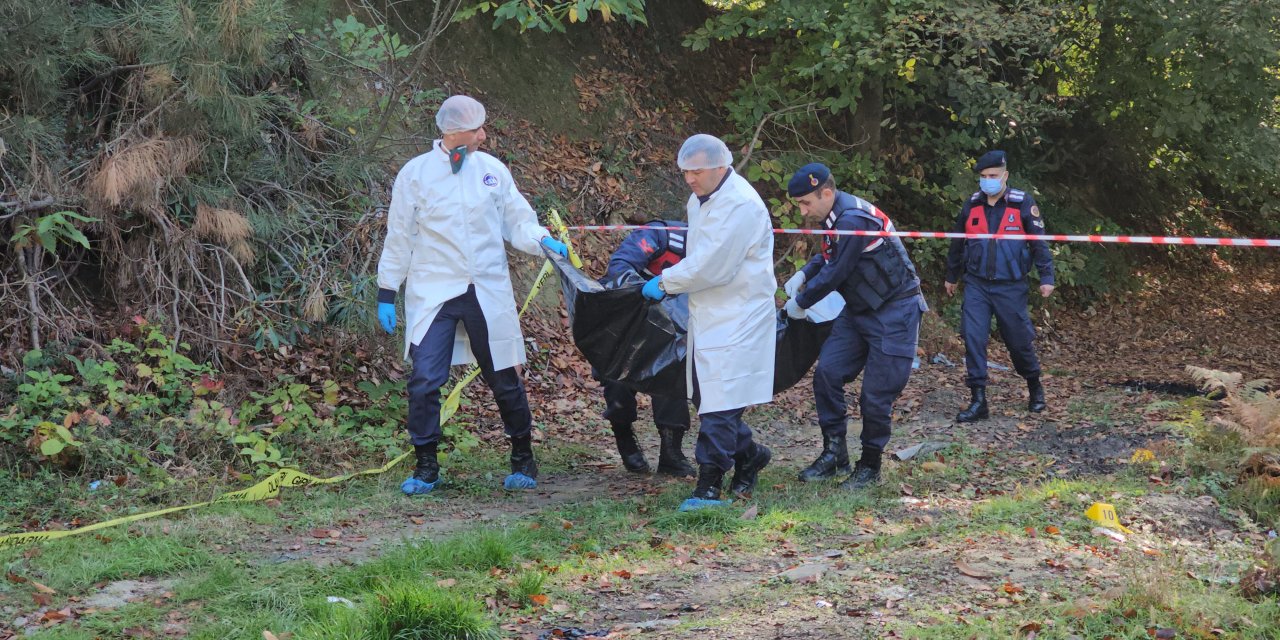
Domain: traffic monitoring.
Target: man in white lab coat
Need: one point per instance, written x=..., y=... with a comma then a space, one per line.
x=728, y=273
x=451, y=209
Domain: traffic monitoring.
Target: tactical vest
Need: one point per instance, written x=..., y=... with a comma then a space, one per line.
x=882, y=271
x=992, y=259
x=673, y=253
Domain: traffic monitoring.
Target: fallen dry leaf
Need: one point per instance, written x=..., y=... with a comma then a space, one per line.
x=1051, y=530
x=968, y=570
x=445, y=584
x=15, y=578
x=267, y=635
x=41, y=588
x=751, y=512
x=1011, y=588
x=539, y=599
x=55, y=616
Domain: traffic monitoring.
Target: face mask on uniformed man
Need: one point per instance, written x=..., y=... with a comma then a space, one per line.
x=990, y=186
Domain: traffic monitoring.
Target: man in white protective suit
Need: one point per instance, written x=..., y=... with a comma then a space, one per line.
x=728, y=273
x=451, y=209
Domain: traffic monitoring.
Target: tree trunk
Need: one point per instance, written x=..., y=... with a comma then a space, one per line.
x=864, y=122
x=33, y=301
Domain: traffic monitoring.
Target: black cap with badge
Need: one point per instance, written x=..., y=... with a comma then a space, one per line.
x=807, y=179
x=991, y=159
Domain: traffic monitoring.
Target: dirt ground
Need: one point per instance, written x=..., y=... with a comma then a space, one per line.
x=904, y=563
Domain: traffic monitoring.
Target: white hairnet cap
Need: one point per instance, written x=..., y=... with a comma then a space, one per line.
x=460, y=113
x=703, y=151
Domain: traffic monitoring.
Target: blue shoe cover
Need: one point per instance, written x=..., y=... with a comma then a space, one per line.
x=517, y=481
x=693, y=504
x=416, y=487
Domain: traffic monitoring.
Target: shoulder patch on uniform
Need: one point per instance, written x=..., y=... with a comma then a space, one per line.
x=490, y=180
x=977, y=195
x=1035, y=211
x=1016, y=195
x=1038, y=223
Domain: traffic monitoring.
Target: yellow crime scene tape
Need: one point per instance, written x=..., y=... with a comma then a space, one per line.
x=293, y=478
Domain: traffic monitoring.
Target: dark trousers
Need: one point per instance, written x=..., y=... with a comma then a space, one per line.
x=1007, y=301
x=722, y=435
x=431, y=370
x=883, y=344
x=669, y=412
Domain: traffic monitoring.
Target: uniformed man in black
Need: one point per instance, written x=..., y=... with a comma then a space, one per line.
x=995, y=276
x=875, y=334
x=647, y=252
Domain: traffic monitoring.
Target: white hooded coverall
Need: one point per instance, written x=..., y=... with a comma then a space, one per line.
x=445, y=231
x=728, y=274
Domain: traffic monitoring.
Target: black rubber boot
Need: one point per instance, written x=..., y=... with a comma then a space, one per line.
x=427, y=468
x=746, y=470
x=977, y=409
x=522, y=461
x=833, y=460
x=632, y=457
x=1035, y=395
x=710, y=480
x=861, y=478
x=671, y=460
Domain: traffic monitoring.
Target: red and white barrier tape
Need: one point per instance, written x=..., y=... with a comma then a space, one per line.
x=1172, y=240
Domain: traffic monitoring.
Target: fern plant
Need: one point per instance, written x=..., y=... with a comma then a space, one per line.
x=1254, y=408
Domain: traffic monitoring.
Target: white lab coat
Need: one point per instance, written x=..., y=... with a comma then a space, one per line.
x=445, y=232
x=728, y=274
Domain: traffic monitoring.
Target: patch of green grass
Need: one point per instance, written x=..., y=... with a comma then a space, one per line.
x=74, y=563
x=224, y=576
x=1061, y=502
x=65, y=632
x=477, y=551
x=409, y=611
x=45, y=494
x=527, y=584
x=1160, y=596
x=711, y=521
x=130, y=616
x=1104, y=409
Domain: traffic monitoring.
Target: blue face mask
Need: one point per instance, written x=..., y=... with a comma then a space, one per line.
x=990, y=186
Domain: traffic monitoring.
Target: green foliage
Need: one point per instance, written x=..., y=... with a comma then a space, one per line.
x=150, y=408
x=370, y=47
x=200, y=106
x=373, y=426
x=1222, y=461
x=897, y=96
x=51, y=230
x=552, y=15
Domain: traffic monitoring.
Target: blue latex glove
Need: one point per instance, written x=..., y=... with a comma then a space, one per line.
x=652, y=291
x=556, y=246
x=387, y=316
